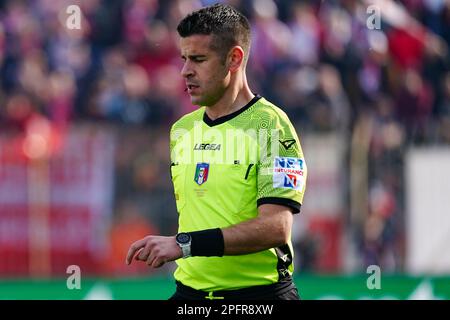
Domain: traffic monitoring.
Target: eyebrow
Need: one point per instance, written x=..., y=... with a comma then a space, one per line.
x=194, y=56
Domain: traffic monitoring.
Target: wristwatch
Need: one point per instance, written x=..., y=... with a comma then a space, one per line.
x=183, y=240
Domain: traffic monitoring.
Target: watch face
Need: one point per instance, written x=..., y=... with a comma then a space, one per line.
x=183, y=238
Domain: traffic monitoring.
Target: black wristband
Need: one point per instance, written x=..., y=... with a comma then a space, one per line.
x=207, y=243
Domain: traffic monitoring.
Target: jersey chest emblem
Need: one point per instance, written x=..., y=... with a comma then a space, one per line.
x=201, y=173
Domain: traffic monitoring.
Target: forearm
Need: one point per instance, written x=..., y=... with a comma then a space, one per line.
x=268, y=230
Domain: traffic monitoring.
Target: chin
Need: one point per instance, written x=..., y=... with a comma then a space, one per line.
x=197, y=101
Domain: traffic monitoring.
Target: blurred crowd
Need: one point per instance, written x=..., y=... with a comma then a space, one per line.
x=382, y=89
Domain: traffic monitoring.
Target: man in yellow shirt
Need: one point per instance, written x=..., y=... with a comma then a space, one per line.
x=238, y=172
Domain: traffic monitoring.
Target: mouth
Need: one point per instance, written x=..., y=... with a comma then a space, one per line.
x=191, y=87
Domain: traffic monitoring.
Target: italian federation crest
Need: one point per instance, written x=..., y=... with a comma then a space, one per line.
x=201, y=173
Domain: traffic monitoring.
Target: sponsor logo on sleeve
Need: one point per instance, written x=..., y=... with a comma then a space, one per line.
x=288, y=173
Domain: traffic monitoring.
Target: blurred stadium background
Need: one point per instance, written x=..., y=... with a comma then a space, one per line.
x=85, y=117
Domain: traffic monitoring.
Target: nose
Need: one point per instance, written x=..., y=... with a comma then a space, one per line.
x=186, y=71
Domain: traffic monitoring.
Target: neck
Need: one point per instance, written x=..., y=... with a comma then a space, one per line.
x=237, y=95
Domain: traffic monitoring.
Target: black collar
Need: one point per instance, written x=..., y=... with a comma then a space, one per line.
x=212, y=123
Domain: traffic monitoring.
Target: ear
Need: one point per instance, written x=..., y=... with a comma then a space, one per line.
x=235, y=58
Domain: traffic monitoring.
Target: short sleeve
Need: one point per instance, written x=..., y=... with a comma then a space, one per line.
x=281, y=167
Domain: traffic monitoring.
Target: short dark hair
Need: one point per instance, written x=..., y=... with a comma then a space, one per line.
x=228, y=27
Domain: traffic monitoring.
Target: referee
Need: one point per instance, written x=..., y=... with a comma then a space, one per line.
x=238, y=172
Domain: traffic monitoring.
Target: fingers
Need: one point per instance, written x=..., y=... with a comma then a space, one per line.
x=157, y=263
x=137, y=256
x=155, y=260
x=154, y=251
x=133, y=249
x=144, y=253
x=151, y=258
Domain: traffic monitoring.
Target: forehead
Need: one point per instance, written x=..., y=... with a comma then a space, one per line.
x=196, y=44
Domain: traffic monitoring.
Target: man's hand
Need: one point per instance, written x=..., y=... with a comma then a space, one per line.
x=154, y=250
